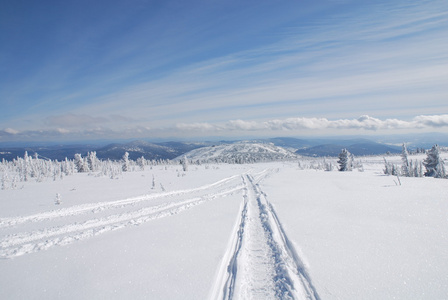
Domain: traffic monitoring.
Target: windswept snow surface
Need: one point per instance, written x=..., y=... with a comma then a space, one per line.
x=256, y=231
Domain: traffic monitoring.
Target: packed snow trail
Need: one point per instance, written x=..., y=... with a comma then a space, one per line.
x=27, y=234
x=100, y=206
x=261, y=262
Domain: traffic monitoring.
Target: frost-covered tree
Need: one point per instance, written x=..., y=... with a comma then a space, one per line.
x=418, y=169
x=434, y=164
x=78, y=162
x=141, y=162
x=391, y=169
x=344, y=161
x=25, y=166
x=67, y=167
x=92, y=161
x=184, y=163
x=81, y=164
x=125, y=162
x=352, y=162
x=5, y=181
x=14, y=182
x=406, y=168
x=328, y=166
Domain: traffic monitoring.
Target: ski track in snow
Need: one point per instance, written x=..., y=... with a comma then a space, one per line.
x=261, y=262
x=100, y=206
x=119, y=214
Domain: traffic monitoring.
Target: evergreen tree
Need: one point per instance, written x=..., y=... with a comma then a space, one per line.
x=344, y=160
x=92, y=161
x=25, y=166
x=5, y=181
x=406, y=165
x=125, y=165
x=141, y=162
x=434, y=164
x=184, y=163
x=80, y=164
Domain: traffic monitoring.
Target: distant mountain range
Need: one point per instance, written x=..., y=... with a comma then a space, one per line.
x=171, y=150
x=355, y=147
x=136, y=149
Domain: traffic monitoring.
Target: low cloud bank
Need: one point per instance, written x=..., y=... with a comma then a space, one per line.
x=233, y=127
x=290, y=124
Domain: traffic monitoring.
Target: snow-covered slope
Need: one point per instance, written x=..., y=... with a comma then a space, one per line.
x=241, y=152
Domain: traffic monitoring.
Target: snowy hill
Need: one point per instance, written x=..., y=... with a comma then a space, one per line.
x=241, y=152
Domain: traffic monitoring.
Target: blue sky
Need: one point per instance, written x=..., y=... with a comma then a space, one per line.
x=74, y=70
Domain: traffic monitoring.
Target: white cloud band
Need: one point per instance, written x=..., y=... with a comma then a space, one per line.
x=291, y=124
x=233, y=127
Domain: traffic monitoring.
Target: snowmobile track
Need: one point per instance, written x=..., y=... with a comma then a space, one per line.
x=261, y=262
x=116, y=215
x=100, y=206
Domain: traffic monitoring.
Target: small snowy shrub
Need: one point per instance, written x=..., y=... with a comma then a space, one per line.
x=57, y=201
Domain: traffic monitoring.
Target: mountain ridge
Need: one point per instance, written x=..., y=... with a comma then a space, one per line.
x=173, y=149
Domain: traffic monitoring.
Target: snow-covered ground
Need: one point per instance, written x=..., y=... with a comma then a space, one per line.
x=254, y=231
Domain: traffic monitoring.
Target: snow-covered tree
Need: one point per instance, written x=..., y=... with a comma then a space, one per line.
x=25, y=166
x=125, y=161
x=406, y=168
x=434, y=164
x=328, y=166
x=418, y=169
x=390, y=168
x=5, y=181
x=92, y=161
x=67, y=167
x=344, y=161
x=141, y=162
x=184, y=163
x=81, y=164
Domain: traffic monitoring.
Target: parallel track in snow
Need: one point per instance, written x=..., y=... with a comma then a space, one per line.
x=261, y=262
x=68, y=225
x=100, y=206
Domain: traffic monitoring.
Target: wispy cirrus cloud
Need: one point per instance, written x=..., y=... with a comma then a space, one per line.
x=74, y=120
x=337, y=67
x=85, y=121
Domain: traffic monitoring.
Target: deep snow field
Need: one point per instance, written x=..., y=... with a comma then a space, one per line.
x=255, y=231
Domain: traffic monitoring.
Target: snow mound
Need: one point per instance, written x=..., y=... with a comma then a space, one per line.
x=241, y=152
